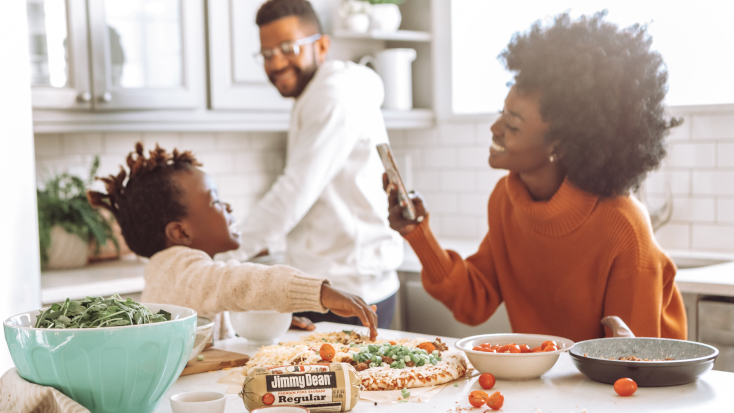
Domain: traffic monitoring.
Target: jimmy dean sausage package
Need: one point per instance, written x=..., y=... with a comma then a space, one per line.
x=330, y=387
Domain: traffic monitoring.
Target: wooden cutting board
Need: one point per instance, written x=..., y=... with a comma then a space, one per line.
x=215, y=360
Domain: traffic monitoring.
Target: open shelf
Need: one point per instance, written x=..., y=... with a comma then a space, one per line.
x=400, y=35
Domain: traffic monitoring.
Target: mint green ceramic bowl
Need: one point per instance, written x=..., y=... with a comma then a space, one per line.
x=107, y=370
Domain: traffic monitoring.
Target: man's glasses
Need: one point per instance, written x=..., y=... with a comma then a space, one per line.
x=288, y=49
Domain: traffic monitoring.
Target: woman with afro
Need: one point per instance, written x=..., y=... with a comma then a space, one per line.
x=567, y=245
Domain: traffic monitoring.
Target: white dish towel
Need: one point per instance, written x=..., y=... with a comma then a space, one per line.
x=20, y=396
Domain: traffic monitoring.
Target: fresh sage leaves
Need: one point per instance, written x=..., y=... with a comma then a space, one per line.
x=96, y=312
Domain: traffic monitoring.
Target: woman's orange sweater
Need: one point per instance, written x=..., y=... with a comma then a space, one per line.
x=560, y=266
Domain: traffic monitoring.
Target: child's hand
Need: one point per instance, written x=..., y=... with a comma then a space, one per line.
x=302, y=323
x=348, y=305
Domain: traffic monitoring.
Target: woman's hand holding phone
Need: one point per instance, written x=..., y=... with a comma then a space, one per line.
x=397, y=220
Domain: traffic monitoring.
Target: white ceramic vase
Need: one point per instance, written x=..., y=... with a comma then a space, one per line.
x=385, y=17
x=66, y=250
x=357, y=23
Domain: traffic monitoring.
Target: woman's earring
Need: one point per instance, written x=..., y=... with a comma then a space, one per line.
x=552, y=158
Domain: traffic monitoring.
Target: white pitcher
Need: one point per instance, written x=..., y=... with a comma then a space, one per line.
x=394, y=67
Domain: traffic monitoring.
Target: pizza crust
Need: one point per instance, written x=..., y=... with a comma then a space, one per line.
x=451, y=367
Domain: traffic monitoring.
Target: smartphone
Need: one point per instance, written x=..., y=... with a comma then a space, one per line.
x=393, y=175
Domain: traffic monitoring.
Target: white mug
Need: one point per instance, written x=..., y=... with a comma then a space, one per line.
x=198, y=402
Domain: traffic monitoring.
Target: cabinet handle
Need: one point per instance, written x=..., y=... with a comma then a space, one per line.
x=83, y=97
x=105, y=97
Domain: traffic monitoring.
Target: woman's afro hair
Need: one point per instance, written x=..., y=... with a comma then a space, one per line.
x=602, y=95
x=150, y=198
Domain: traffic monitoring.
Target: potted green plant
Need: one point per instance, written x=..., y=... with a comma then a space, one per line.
x=355, y=15
x=67, y=224
x=385, y=15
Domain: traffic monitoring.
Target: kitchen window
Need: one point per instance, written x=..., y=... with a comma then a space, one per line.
x=695, y=40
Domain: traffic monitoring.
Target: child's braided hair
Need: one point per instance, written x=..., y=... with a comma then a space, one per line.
x=149, y=200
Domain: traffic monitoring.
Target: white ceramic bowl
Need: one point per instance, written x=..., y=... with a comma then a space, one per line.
x=198, y=402
x=204, y=330
x=513, y=366
x=260, y=327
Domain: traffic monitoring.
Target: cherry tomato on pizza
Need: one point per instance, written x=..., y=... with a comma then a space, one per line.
x=478, y=398
x=487, y=381
x=327, y=352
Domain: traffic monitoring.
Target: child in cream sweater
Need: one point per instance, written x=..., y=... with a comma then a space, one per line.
x=170, y=211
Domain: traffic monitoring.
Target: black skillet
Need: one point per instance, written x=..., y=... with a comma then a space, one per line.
x=691, y=359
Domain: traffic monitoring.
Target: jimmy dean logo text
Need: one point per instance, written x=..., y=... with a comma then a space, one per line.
x=282, y=382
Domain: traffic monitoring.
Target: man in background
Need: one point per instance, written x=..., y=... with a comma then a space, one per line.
x=329, y=202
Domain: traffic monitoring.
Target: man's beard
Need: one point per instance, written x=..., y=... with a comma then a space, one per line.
x=303, y=76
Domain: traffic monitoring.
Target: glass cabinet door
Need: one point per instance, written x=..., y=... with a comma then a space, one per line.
x=57, y=40
x=147, y=54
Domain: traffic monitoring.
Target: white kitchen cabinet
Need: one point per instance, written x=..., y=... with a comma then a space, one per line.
x=120, y=55
x=236, y=80
x=59, y=60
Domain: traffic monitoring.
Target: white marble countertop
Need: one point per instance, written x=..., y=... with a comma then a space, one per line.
x=562, y=389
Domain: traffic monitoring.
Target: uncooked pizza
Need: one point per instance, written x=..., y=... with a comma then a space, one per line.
x=382, y=365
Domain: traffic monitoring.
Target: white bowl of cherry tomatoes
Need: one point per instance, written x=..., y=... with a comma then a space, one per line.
x=514, y=356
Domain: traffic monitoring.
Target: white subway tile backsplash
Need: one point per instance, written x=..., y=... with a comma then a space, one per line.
x=83, y=143
x=268, y=140
x=247, y=162
x=418, y=138
x=460, y=227
x=682, y=132
x=474, y=204
x=456, y=133
x=482, y=132
x=110, y=164
x=233, y=185
x=679, y=182
x=690, y=155
x=474, y=157
x=233, y=140
x=47, y=145
x=713, y=126
x=725, y=154
x=439, y=158
x=122, y=142
x=217, y=163
x=49, y=167
x=725, y=210
x=674, y=236
x=426, y=180
x=487, y=179
x=458, y=181
x=694, y=209
x=713, y=182
x=441, y=203
x=198, y=142
x=713, y=237
x=166, y=140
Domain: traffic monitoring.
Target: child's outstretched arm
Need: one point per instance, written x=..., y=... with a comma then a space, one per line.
x=349, y=305
x=188, y=277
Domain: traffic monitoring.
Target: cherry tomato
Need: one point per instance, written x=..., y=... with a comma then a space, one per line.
x=548, y=343
x=550, y=348
x=268, y=399
x=496, y=400
x=509, y=348
x=392, y=343
x=327, y=352
x=477, y=398
x=524, y=348
x=625, y=387
x=487, y=381
x=478, y=348
x=536, y=350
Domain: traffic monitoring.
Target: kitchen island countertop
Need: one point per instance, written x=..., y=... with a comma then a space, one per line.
x=562, y=389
